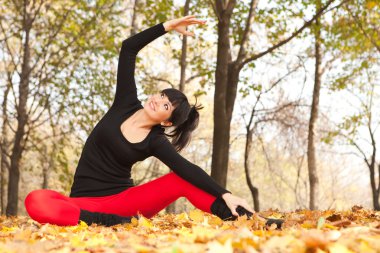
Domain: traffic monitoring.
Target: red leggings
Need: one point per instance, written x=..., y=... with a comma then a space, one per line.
x=47, y=206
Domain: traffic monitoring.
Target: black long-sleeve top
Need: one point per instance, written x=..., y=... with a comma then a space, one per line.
x=104, y=167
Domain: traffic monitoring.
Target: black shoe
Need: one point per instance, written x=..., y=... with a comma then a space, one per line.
x=104, y=219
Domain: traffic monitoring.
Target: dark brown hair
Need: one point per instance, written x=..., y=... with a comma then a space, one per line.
x=185, y=118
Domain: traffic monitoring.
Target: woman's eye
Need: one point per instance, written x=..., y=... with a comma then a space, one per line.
x=162, y=95
x=166, y=107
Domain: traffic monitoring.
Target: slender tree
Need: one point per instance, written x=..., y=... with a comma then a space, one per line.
x=4, y=148
x=134, y=17
x=355, y=36
x=172, y=207
x=311, y=154
x=263, y=116
x=183, y=64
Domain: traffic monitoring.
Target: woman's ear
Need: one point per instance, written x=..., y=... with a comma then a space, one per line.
x=166, y=123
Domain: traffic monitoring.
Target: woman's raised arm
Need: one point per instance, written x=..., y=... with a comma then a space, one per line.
x=126, y=86
x=126, y=92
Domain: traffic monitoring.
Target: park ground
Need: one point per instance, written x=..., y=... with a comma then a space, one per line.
x=355, y=230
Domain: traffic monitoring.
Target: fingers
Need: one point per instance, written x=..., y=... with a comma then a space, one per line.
x=233, y=211
x=197, y=21
x=189, y=17
x=189, y=33
x=245, y=204
x=180, y=24
x=249, y=208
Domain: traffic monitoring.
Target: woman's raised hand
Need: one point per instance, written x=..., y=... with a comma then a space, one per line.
x=180, y=24
x=233, y=202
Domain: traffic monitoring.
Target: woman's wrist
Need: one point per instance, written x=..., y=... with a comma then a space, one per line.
x=167, y=26
x=226, y=195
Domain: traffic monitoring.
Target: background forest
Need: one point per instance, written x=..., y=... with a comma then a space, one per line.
x=290, y=90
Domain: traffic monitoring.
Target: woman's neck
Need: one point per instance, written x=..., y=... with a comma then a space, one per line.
x=141, y=120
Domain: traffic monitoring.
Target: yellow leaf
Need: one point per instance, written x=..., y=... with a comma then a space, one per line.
x=203, y=234
x=97, y=240
x=314, y=239
x=134, y=221
x=144, y=222
x=182, y=216
x=114, y=237
x=175, y=249
x=23, y=235
x=196, y=215
x=8, y=229
x=276, y=243
x=260, y=233
x=308, y=224
x=83, y=224
x=186, y=234
x=215, y=246
x=77, y=241
x=80, y=227
x=214, y=220
x=326, y=225
x=338, y=248
x=364, y=247
x=243, y=243
x=141, y=248
x=224, y=237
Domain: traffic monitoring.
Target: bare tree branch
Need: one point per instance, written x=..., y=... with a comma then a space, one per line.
x=249, y=20
x=214, y=9
x=271, y=49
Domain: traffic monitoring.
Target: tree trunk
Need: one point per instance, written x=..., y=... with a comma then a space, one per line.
x=372, y=167
x=311, y=159
x=254, y=190
x=134, y=15
x=172, y=207
x=221, y=136
x=376, y=203
x=22, y=117
x=4, y=150
x=46, y=166
x=375, y=192
x=184, y=51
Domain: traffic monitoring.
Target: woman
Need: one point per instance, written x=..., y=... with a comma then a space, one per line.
x=103, y=191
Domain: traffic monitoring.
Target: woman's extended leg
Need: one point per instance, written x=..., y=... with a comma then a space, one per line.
x=47, y=206
x=151, y=197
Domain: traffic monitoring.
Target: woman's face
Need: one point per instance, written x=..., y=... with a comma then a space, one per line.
x=159, y=108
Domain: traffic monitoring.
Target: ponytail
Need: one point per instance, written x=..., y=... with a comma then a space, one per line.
x=181, y=135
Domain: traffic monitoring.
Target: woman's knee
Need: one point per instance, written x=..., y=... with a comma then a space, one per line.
x=37, y=202
x=38, y=196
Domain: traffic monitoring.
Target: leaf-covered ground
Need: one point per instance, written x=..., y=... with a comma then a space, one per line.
x=357, y=230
